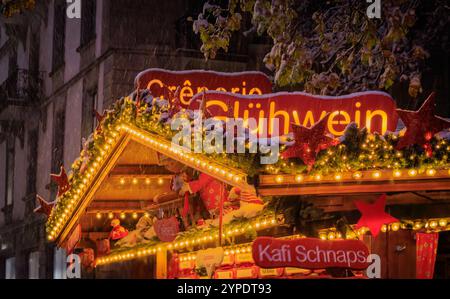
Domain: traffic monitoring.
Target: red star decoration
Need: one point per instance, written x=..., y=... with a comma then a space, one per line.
x=421, y=125
x=373, y=215
x=62, y=181
x=44, y=206
x=309, y=142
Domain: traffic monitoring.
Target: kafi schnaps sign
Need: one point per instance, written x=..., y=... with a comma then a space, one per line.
x=193, y=82
x=373, y=109
x=310, y=253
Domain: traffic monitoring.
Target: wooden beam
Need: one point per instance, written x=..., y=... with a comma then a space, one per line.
x=211, y=167
x=382, y=176
x=142, y=170
x=343, y=203
x=161, y=264
x=442, y=184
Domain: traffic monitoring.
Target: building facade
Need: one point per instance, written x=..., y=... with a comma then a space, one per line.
x=54, y=72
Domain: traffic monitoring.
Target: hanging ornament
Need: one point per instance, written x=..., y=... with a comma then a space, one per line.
x=118, y=231
x=421, y=125
x=167, y=229
x=62, y=181
x=210, y=190
x=373, y=215
x=44, y=206
x=308, y=142
x=209, y=259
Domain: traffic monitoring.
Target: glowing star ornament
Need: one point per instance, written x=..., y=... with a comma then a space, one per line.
x=373, y=215
x=309, y=142
x=44, y=206
x=421, y=125
x=62, y=181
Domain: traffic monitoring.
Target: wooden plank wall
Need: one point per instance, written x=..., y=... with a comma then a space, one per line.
x=397, y=251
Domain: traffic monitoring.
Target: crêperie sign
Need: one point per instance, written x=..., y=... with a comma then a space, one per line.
x=248, y=95
x=192, y=82
x=310, y=253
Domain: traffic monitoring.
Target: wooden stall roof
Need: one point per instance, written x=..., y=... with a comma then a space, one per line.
x=138, y=152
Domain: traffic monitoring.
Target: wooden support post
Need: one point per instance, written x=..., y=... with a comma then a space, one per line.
x=221, y=214
x=161, y=264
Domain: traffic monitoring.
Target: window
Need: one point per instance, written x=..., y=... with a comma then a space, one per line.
x=88, y=11
x=10, y=268
x=9, y=195
x=185, y=36
x=58, y=146
x=88, y=116
x=59, y=264
x=59, y=28
x=33, y=265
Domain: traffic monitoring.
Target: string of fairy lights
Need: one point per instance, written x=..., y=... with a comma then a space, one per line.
x=428, y=225
x=59, y=218
x=375, y=154
x=55, y=225
x=396, y=174
x=385, y=164
x=121, y=215
x=184, y=243
x=204, y=164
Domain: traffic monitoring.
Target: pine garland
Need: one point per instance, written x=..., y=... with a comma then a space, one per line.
x=359, y=150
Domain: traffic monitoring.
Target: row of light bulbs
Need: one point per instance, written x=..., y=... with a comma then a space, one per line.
x=230, y=250
x=331, y=234
x=429, y=225
x=159, y=143
x=327, y=234
x=166, y=146
x=135, y=181
x=75, y=195
x=122, y=215
x=235, y=249
x=258, y=224
x=358, y=175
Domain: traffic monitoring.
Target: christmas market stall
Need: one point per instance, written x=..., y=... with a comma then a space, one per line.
x=343, y=187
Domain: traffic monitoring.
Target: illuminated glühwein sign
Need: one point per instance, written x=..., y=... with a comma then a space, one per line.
x=193, y=82
x=372, y=109
x=310, y=253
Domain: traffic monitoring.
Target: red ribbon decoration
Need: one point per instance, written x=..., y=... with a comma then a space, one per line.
x=426, y=250
x=186, y=205
x=428, y=150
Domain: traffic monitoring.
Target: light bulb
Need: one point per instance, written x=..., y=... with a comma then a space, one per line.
x=431, y=172
x=412, y=172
